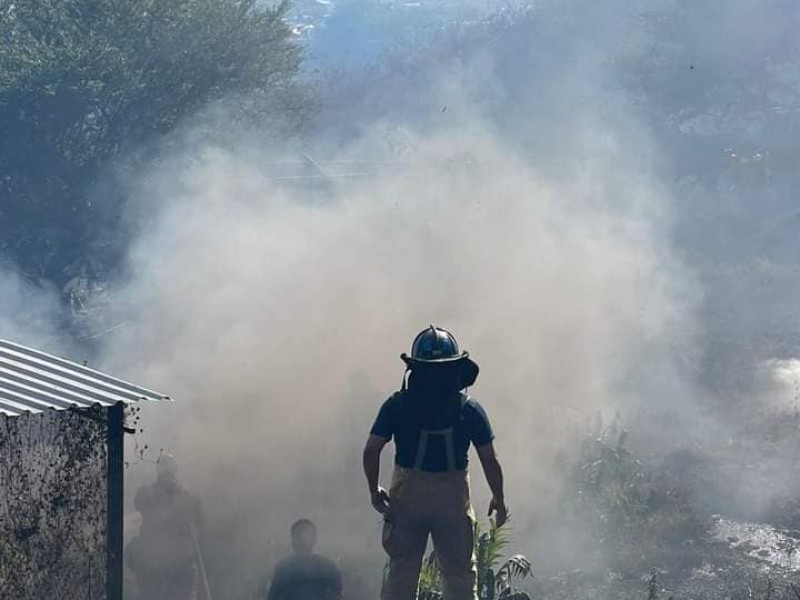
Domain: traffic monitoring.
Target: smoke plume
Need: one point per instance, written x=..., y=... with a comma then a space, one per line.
x=276, y=321
x=529, y=208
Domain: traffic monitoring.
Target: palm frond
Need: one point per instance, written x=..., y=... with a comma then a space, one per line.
x=490, y=545
x=516, y=567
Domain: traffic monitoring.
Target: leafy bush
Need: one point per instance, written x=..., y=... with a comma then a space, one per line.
x=634, y=513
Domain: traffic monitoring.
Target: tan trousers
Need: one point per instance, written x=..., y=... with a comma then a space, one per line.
x=435, y=504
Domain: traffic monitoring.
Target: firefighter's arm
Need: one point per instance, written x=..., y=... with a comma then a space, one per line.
x=372, y=470
x=494, y=477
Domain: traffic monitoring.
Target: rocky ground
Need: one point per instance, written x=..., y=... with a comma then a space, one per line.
x=737, y=561
x=646, y=539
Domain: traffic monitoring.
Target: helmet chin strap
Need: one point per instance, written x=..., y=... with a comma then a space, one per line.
x=404, y=386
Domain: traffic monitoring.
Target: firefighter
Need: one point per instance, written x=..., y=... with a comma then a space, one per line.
x=305, y=575
x=163, y=557
x=432, y=422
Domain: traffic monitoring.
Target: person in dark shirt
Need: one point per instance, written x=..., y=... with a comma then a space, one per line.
x=433, y=423
x=164, y=555
x=306, y=575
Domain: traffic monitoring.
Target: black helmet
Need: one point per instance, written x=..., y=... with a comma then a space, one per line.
x=435, y=346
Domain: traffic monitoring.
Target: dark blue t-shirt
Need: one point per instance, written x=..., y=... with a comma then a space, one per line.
x=306, y=577
x=405, y=414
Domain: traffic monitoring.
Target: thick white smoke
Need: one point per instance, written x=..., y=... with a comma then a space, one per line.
x=277, y=321
x=531, y=212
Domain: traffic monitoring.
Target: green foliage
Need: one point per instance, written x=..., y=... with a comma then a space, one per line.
x=633, y=513
x=495, y=576
x=430, y=580
x=609, y=482
x=83, y=80
x=653, y=585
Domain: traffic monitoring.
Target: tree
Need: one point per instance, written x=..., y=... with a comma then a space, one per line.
x=85, y=81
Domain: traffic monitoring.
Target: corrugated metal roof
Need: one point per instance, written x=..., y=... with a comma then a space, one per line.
x=32, y=382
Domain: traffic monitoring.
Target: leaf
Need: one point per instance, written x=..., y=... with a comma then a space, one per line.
x=516, y=567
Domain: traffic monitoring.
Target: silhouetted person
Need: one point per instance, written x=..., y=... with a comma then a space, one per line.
x=433, y=424
x=306, y=575
x=164, y=556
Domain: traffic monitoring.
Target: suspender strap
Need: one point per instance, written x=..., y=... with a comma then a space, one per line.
x=451, y=453
x=422, y=447
x=449, y=445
